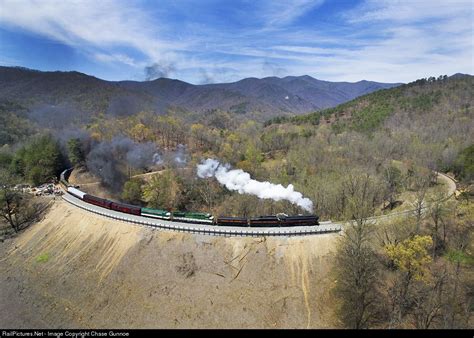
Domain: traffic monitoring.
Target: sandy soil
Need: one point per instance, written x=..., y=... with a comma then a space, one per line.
x=74, y=269
x=89, y=183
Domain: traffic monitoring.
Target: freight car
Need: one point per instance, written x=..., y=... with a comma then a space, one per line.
x=126, y=208
x=97, y=201
x=291, y=221
x=264, y=221
x=232, y=221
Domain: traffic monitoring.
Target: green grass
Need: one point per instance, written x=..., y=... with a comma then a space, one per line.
x=43, y=258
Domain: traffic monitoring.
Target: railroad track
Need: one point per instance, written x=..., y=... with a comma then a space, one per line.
x=451, y=192
x=324, y=228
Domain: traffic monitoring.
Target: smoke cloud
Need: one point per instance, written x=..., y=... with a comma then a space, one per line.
x=158, y=70
x=157, y=159
x=57, y=116
x=124, y=105
x=180, y=156
x=239, y=180
x=273, y=68
x=140, y=155
x=175, y=158
x=105, y=157
x=206, y=78
x=102, y=162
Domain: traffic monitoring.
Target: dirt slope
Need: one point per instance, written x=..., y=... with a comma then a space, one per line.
x=76, y=269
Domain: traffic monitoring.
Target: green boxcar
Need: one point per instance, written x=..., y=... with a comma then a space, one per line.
x=156, y=213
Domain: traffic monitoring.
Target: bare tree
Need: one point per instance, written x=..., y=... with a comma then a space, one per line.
x=356, y=270
x=427, y=300
x=10, y=202
x=457, y=303
x=420, y=183
x=392, y=178
x=16, y=208
x=438, y=213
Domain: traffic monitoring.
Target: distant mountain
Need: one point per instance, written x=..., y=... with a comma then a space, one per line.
x=415, y=104
x=270, y=95
x=74, y=95
x=459, y=76
x=300, y=94
x=68, y=93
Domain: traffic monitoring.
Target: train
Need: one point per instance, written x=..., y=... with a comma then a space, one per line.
x=279, y=220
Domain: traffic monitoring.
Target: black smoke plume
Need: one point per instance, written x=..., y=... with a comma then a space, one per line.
x=157, y=70
x=273, y=68
x=107, y=157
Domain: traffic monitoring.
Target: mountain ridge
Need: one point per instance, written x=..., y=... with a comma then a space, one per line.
x=368, y=112
x=269, y=96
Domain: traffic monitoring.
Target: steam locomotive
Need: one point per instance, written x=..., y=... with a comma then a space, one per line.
x=279, y=220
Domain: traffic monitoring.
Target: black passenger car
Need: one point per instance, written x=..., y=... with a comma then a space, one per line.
x=127, y=208
x=232, y=221
x=97, y=201
x=265, y=221
x=292, y=221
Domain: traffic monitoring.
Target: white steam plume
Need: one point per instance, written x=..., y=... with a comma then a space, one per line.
x=239, y=180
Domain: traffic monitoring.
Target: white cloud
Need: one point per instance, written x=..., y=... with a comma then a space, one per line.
x=122, y=58
x=389, y=41
x=409, y=10
x=276, y=13
x=88, y=24
x=386, y=41
x=308, y=50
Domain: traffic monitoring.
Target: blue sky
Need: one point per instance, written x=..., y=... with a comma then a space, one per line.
x=206, y=41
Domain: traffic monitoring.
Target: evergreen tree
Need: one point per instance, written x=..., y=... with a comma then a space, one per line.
x=75, y=151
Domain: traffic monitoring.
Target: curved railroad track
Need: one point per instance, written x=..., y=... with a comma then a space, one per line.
x=324, y=227
x=451, y=190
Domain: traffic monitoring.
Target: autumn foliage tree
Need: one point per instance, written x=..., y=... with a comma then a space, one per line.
x=411, y=258
x=163, y=191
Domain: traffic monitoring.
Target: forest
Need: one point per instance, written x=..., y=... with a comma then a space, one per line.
x=369, y=156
